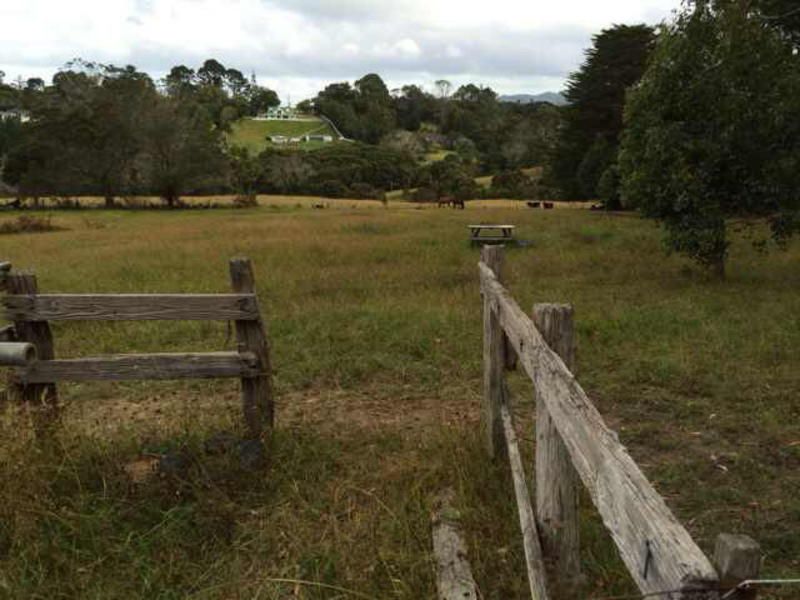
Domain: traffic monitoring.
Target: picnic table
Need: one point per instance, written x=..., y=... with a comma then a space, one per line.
x=497, y=234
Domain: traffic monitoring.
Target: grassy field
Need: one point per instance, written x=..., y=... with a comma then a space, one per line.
x=374, y=317
x=253, y=134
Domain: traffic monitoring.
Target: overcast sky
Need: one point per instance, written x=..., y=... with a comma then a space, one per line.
x=296, y=46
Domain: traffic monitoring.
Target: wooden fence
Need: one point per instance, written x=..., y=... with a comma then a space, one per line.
x=27, y=345
x=574, y=444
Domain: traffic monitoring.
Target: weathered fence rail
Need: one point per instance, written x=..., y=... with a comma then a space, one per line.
x=573, y=442
x=27, y=345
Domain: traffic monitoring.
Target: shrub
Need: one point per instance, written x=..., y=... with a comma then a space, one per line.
x=245, y=201
x=28, y=224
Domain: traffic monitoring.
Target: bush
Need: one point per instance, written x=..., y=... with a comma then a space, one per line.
x=245, y=201
x=27, y=224
x=424, y=194
x=364, y=191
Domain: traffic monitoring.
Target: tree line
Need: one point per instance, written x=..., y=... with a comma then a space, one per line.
x=113, y=132
x=696, y=124
x=472, y=121
x=110, y=131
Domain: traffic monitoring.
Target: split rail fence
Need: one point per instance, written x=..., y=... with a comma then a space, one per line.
x=27, y=345
x=574, y=444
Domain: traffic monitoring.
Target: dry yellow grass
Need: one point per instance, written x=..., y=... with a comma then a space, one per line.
x=375, y=322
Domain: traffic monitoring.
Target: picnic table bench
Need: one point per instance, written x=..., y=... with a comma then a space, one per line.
x=497, y=234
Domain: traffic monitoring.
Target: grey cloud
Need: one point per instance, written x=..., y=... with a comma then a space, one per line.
x=333, y=40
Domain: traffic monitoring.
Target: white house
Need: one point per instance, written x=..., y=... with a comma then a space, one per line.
x=281, y=113
x=15, y=113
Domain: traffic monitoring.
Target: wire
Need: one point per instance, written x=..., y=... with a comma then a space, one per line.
x=640, y=596
x=746, y=585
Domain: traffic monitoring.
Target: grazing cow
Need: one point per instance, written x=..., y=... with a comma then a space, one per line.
x=549, y=205
x=534, y=204
x=450, y=201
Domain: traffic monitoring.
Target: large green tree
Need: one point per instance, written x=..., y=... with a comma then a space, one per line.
x=85, y=133
x=589, y=138
x=713, y=130
x=363, y=111
x=182, y=150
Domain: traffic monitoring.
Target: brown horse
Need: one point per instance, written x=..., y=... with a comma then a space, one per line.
x=450, y=201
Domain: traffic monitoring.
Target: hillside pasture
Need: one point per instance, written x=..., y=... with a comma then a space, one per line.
x=374, y=317
x=252, y=134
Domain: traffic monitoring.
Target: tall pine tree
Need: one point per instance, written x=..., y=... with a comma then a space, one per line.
x=587, y=148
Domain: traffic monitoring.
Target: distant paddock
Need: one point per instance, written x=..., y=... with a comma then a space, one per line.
x=226, y=201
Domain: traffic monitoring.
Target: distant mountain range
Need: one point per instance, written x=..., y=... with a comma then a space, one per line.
x=551, y=97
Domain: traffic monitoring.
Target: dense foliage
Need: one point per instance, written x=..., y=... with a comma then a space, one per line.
x=471, y=122
x=103, y=130
x=337, y=171
x=713, y=130
x=586, y=153
x=110, y=131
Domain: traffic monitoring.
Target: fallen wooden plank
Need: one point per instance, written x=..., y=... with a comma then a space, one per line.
x=454, y=579
x=527, y=521
x=129, y=367
x=130, y=307
x=658, y=551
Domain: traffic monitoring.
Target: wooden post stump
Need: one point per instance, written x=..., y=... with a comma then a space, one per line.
x=493, y=362
x=42, y=398
x=737, y=559
x=556, y=480
x=257, y=399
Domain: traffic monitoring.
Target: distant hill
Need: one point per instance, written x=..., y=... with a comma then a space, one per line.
x=551, y=97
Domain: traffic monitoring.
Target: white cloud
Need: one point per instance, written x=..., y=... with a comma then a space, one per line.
x=298, y=45
x=408, y=47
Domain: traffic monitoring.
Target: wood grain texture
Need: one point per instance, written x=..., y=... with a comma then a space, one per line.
x=658, y=551
x=130, y=307
x=454, y=579
x=132, y=367
x=42, y=396
x=257, y=394
x=493, y=362
x=737, y=558
x=5, y=271
x=557, y=489
x=527, y=521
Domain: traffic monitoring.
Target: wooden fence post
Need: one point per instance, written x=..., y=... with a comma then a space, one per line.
x=737, y=559
x=556, y=479
x=257, y=399
x=41, y=397
x=493, y=362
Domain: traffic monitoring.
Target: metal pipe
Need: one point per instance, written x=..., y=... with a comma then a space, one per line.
x=16, y=354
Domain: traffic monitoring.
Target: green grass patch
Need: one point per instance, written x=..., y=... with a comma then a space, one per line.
x=374, y=319
x=252, y=134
